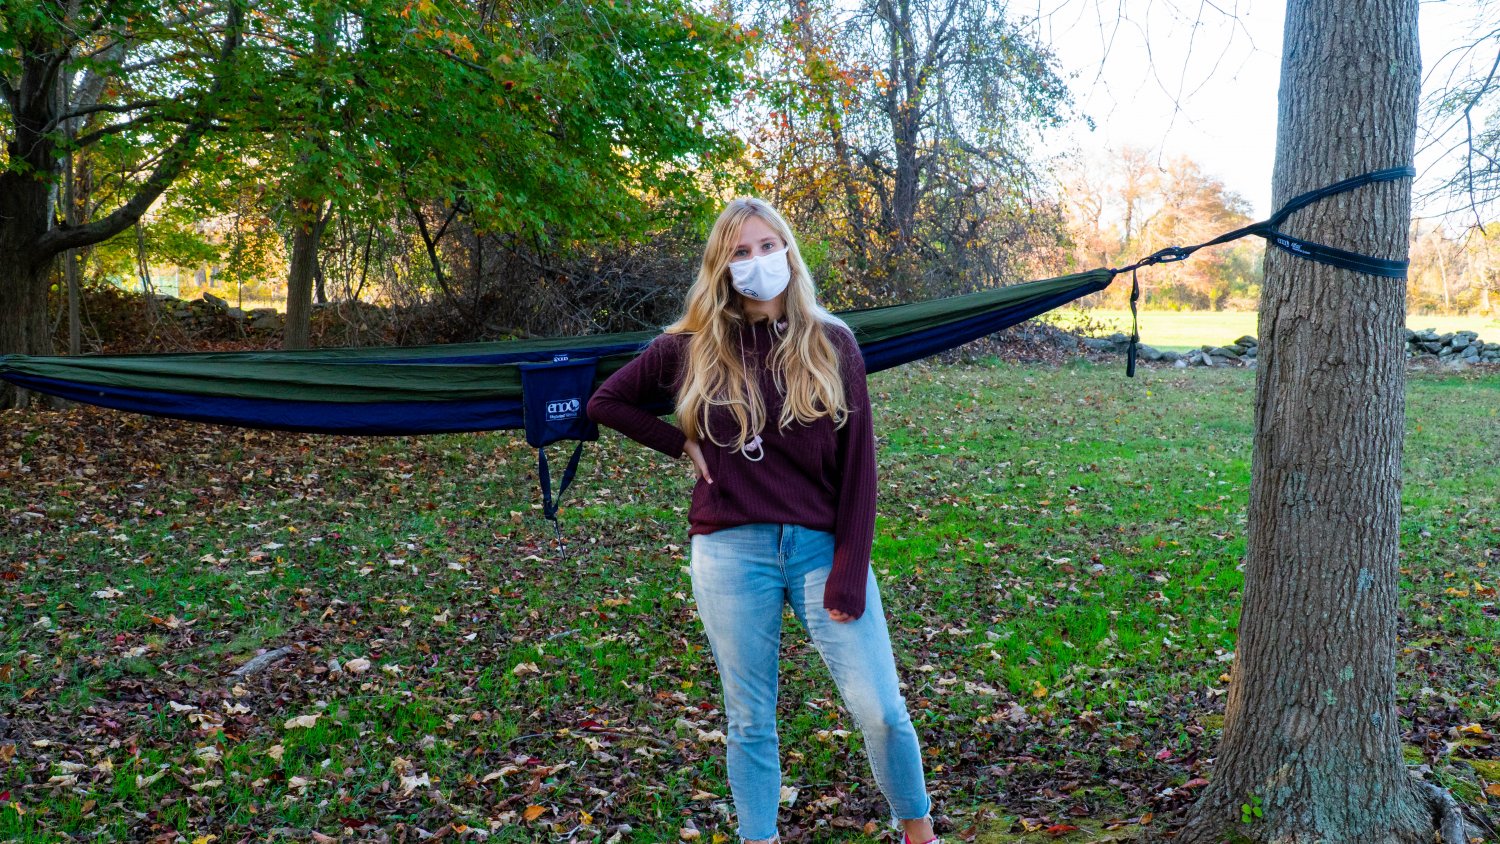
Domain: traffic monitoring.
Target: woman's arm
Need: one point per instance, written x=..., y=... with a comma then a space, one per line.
x=647, y=381
x=854, y=527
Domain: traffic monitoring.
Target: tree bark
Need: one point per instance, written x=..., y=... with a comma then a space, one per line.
x=305, y=239
x=1311, y=727
x=70, y=268
x=902, y=105
x=25, y=213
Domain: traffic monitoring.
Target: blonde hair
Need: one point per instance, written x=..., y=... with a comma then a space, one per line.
x=804, y=363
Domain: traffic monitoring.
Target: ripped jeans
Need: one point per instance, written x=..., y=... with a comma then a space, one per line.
x=742, y=579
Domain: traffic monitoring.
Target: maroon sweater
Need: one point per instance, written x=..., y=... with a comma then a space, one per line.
x=817, y=476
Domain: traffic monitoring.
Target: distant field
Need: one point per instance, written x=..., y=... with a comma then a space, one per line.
x=1179, y=330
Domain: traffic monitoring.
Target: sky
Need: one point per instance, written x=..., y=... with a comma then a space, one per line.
x=1198, y=78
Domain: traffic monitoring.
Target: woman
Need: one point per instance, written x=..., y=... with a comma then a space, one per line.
x=770, y=393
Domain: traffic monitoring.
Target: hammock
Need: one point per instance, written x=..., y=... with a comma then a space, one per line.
x=468, y=386
x=542, y=386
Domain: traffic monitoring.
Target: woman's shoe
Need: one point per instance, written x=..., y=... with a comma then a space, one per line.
x=896, y=824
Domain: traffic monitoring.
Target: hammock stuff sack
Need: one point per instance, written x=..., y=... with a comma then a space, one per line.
x=472, y=386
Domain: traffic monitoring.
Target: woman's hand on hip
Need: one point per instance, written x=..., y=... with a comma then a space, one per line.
x=695, y=453
x=840, y=616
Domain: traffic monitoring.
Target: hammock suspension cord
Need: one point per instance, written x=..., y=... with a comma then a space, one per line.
x=1269, y=229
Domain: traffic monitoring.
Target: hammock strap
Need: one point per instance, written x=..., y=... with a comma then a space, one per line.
x=1269, y=229
x=1135, y=328
x=549, y=502
x=1321, y=253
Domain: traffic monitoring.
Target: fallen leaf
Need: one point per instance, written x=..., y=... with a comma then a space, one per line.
x=412, y=783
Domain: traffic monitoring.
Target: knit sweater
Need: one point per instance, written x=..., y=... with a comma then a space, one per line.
x=818, y=475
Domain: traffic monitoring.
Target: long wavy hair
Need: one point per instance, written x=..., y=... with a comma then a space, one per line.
x=804, y=363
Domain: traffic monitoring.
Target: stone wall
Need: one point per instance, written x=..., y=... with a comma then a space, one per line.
x=1458, y=349
x=211, y=315
x=1239, y=353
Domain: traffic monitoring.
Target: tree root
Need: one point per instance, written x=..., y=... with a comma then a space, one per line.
x=262, y=661
x=1446, y=814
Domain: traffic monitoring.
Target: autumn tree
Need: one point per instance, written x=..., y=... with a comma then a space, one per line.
x=1137, y=203
x=1437, y=268
x=1482, y=256
x=904, y=131
x=1311, y=748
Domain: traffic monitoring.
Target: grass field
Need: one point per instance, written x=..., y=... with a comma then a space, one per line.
x=1058, y=551
x=1182, y=330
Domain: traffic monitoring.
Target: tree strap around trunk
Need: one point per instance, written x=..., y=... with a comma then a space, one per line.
x=1268, y=229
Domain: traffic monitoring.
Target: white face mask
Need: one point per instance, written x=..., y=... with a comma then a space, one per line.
x=762, y=277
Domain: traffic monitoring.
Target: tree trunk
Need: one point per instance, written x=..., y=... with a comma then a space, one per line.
x=70, y=264
x=305, y=238
x=24, y=328
x=1311, y=728
x=26, y=206
x=1443, y=275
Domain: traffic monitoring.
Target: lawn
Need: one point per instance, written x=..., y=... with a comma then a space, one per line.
x=1182, y=330
x=1058, y=550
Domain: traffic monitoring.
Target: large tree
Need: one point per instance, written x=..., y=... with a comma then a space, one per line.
x=532, y=120
x=905, y=132
x=554, y=122
x=1311, y=742
x=168, y=72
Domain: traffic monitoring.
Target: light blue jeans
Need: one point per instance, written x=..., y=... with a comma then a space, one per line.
x=742, y=579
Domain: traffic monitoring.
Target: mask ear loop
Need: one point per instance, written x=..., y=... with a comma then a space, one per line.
x=755, y=442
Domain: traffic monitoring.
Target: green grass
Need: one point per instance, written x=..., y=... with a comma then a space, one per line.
x=1182, y=330
x=1058, y=552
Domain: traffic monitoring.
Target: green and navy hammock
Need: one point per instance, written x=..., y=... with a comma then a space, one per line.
x=542, y=386
x=466, y=386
